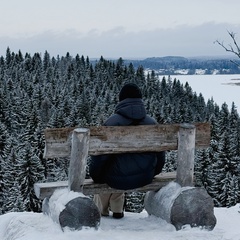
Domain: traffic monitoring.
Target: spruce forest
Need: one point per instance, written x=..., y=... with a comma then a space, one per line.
x=37, y=92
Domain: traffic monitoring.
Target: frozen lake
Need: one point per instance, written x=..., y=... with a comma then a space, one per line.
x=221, y=88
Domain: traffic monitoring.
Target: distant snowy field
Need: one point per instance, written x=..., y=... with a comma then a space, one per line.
x=221, y=88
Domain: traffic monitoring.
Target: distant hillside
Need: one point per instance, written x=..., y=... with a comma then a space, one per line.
x=167, y=59
x=171, y=65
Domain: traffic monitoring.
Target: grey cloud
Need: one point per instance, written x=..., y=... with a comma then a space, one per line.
x=183, y=41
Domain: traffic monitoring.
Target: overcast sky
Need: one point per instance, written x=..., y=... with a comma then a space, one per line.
x=113, y=29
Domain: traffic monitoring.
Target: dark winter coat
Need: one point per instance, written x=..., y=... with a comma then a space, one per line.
x=128, y=170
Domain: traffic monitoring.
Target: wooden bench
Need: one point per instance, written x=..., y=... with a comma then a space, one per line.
x=78, y=143
x=179, y=203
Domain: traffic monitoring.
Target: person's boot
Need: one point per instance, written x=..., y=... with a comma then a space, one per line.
x=118, y=215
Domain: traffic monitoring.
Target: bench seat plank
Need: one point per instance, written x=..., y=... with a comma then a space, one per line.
x=43, y=190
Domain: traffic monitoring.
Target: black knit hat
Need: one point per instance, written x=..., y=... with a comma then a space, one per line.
x=130, y=90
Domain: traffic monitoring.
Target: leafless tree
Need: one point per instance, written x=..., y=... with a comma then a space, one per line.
x=232, y=47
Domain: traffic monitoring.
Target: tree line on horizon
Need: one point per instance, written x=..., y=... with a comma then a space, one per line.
x=174, y=65
x=37, y=92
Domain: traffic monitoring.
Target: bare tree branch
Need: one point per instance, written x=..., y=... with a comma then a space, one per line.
x=235, y=49
x=235, y=63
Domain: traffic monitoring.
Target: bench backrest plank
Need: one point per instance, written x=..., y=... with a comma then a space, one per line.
x=119, y=139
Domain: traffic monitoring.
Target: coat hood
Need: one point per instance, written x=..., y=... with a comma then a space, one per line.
x=132, y=108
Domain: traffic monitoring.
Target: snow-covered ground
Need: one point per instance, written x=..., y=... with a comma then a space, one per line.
x=222, y=88
x=36, y=226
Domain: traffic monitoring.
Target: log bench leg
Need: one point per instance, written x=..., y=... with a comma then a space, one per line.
x=72, y=210
x=180, y=203
x=182, y=206
x=70, y=207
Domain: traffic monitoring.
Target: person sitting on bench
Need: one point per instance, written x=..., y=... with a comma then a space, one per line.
x=127, y=170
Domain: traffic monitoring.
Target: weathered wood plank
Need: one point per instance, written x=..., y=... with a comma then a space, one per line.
x=109, y=140
x=78, y=159
x=43, y=190
x=186, y=151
